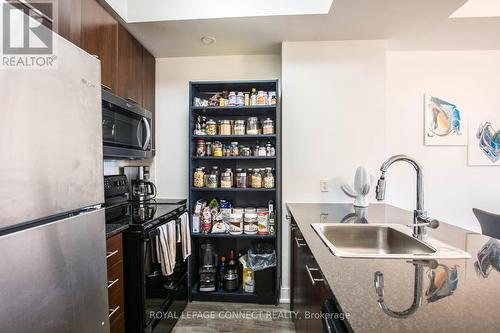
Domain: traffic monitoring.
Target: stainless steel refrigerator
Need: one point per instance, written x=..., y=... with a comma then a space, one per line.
x=52, y=229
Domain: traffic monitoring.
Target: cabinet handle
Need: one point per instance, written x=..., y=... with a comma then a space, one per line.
x=313, y=280
x=299, y=245
x=106, y=87
x=112, y=311
x=132, y=100
x=110, y=283
x=110, y=254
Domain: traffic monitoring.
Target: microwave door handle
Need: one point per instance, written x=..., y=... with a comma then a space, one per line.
x=148, y=133
x=139, y=134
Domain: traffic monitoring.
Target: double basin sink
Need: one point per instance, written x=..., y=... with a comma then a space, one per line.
x=382, y=241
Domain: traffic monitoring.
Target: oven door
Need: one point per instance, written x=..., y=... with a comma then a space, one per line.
x=163, y=294
x=126, y=129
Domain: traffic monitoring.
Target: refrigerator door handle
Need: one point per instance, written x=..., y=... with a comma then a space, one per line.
x=148, y=133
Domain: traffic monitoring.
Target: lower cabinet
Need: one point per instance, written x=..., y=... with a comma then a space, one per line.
x=114, y=248
x=309, y=290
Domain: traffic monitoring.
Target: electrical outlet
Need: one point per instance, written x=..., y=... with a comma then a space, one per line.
x=324, y=185
x=323, y=218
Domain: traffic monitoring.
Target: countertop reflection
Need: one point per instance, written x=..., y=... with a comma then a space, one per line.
x=455, y=295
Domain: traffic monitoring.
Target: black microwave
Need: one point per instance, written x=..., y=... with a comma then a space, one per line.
x=126, y=129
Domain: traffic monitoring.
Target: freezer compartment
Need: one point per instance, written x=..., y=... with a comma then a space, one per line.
x=51, y=137
x=55, y=277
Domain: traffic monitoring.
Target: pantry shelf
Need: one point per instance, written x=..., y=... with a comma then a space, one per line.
x=231, y=189
x=234, y=158
x=256, y=119
x=233, y=236
x=246, y=136
x=238, y=296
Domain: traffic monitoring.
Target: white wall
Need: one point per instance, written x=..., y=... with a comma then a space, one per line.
x=470, y=79
x=172, y=108
x=333, y=119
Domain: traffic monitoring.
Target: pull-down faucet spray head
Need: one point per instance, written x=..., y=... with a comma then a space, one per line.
x=380, y=190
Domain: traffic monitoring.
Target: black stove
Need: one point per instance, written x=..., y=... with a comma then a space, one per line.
x=146, y=289
x=137, y=215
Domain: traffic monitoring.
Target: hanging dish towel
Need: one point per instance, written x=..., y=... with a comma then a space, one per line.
x=185, y=235
x=166, y=247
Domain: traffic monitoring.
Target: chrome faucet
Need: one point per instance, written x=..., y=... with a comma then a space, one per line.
x=420, y=219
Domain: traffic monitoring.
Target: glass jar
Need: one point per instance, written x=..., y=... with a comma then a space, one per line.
x=270, y=150
x=253, y=126
x=261, y=98
x=208, y=149
x=232, y=98
x=245, y=151
x=256, y=179
x=271, y=98
x=226, y=179
x=268, y=126
x=235, y=151
x=250, y=224
x=236, y=223
x=249, y=177
x=241, y=178
x=217, y=149
x=213, y=178
x=239, y=127
x=261, y=151
x=199, y=177
x=240, y=99
x=269, y=178
x=211, y=127
x=201, y=148
x=225, y=127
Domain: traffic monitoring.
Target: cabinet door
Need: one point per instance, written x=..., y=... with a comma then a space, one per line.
x=99, y=37
x=129, y=70
x=301, y=288
x=320, y=292
x=148, y=80
x=148, y=88
x=67, y=22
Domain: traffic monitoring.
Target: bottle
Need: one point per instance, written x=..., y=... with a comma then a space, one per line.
x=272, y=230
x=249, y=281
x=222, y=269
x=232, y=263
x=253, y=97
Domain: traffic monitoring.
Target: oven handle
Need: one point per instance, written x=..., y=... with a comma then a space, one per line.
x=148, y=133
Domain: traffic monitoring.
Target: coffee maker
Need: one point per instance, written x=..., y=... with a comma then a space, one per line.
x=140, y=188
x=208, y=268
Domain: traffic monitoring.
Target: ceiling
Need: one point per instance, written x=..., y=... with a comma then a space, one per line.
x=407, y=24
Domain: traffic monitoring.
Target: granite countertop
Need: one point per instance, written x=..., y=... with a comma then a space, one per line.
x=473, y=306
x=114, y=229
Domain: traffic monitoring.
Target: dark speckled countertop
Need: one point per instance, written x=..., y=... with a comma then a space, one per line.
x=473, y=307
x=114, y=229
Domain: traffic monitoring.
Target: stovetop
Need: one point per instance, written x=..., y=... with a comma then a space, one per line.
x=143, y=216
x=137, y=215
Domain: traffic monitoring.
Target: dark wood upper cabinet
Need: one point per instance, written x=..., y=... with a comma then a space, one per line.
x=99, y=37
x=129, y=70
x=148, y=80
x=67, y=22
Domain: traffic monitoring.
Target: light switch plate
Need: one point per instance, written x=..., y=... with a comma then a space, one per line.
x=324, y=185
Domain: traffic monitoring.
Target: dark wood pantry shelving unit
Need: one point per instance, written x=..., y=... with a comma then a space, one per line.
x=239, y=197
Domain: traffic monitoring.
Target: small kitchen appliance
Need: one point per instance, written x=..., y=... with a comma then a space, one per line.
x=141, y=188
x=208, y=268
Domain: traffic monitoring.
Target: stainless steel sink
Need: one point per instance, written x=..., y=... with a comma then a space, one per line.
x=381, y=241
